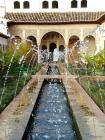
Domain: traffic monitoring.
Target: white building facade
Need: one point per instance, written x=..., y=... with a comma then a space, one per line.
x=63, y=5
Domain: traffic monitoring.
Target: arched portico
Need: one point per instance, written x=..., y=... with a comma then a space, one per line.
x=32, y=39
x=51, y=40
x=16, y=38
x=90, y=47
x=73, y=46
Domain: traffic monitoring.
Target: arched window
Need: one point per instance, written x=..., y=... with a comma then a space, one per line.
x=16, y=4
x=55, y=4
x=74, y=4
x=26, y=5
x=83, y=3
x=45, y=4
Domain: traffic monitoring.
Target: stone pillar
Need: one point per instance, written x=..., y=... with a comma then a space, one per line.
x=39, y=53
x=98, y=41
x=48, y=48
x=66, y=53
x=66, y=46
x=57, y=44
x=81, y=34
x=23, y=34
x=38, y=44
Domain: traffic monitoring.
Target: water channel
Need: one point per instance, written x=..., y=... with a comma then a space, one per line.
x=51, y=119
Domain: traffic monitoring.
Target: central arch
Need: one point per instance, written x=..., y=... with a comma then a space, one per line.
x=51, y=40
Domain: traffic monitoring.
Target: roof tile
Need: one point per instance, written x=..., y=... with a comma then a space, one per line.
x=68, y=17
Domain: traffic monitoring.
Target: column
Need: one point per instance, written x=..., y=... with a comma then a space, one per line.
x=98, y=41
x=39, y=53
x=57, y=43
x=81, y=34
x=48, y=48
x=38, y=44
x=66, y=46
x=66, y=52
x=23, y=34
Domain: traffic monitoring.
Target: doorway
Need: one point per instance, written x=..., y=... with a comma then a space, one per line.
x=52, y=47
x=51, y=50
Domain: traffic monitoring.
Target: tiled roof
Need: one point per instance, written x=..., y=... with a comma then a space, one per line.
x=49, y=18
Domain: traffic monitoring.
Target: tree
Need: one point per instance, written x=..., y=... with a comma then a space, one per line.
x=95, y=62
x=5, y=57
x=100, y=60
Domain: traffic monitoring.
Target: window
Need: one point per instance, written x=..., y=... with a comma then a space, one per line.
x=54, y=4
x=45, y=4
x=83, y=3
x=16, y=4
x=73, y=4
x=26, y=5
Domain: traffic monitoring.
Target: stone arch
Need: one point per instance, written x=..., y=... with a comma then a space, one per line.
x=42, y=34
x=44, y=47
x=16, y=38
x=90, y=45
x=33, y=39
x=52, y=36
x=73, y=40
x=73, y=46
x=52, y=40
